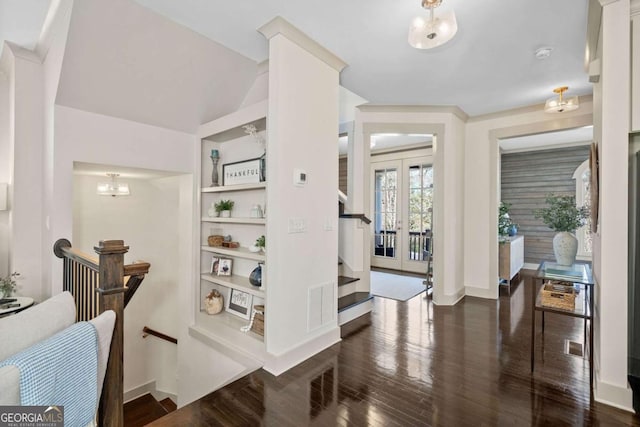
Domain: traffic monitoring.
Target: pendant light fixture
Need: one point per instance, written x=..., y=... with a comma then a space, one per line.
x=113, y=188
x=561, y=104
x=429, y=32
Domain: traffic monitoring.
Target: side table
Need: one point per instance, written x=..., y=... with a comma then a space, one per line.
x=11, y=308
x=581, y=277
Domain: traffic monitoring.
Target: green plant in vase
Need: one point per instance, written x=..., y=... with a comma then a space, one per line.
x=261, y=243
x=563, y=216
x=8, y=285
x=506, y=227
x=224, y=207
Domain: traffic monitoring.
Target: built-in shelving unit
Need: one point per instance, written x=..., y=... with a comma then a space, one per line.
x=257, y=221
x=233, y=144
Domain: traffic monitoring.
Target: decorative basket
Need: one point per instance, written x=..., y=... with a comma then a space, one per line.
x=258, y=320
x=558, y=296
x=215, y=240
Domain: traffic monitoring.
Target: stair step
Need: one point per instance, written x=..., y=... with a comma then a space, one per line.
x=344, y=280
x=168, y=404
x=142, y=411
x=352, y=300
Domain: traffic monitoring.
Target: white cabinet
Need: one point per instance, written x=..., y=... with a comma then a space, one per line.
x=511, y=258
x=228, y=137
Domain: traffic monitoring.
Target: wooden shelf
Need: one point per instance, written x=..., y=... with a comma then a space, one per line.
x=224, y=329
x=236, y=282
x=256, y=221
x=238, y=252
x=239, y=187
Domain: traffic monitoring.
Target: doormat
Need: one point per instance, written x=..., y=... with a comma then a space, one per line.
x=400, y=288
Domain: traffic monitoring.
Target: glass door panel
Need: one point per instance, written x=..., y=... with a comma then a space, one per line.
x=386, y=215
x=419, y=209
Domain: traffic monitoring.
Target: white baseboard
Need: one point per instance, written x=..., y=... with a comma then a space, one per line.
x=449, y=299
x=276, y=365
x=613, y=395
x=473, y=291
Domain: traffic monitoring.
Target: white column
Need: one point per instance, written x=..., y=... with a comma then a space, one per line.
x=610, y=257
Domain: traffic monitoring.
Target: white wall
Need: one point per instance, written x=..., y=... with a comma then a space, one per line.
x=5, y=170
x=301, y=134
x=25, y=154
x=147, y=221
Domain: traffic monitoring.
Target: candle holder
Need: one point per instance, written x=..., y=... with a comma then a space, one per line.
x=214, y=172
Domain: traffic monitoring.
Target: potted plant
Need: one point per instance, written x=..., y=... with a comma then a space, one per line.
x=261, y=243
x=563, y=216
x=506, y=227
x=8, y=285
x=223, y=207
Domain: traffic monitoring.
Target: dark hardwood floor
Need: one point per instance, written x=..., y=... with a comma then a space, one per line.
x=413, y=363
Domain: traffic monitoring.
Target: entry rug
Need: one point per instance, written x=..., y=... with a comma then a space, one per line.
x=396, y=287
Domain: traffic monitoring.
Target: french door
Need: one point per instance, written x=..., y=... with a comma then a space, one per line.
x=402, y=203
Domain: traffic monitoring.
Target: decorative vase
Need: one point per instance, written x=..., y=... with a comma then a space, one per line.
x=225, y=214
x=513, y=230
x=565, y=248
x=255, y=278
x=214, y=302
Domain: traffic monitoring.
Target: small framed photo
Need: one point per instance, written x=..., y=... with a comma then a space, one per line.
x=215, y=262
x=239, y=303
x=224, y=267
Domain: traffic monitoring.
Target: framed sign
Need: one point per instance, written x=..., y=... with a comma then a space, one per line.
x=239, y=303
x=244, y=172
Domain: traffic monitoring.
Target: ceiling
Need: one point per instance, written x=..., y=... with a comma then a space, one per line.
x=489, y=66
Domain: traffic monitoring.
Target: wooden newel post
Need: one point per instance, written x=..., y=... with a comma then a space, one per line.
x=111, y=290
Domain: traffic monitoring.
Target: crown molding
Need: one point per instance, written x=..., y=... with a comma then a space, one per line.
x=522, y=110
x=279, y=25
x=263, y=67
x=22, y=53
x=446, y=109
x=603, y=3
x=635, y=7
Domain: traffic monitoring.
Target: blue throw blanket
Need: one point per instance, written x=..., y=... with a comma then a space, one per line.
x=62, y=370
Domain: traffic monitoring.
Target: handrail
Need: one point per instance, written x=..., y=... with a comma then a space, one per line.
x=342, y=197
x=157, y=334
x=361, y=217
x=99, y=285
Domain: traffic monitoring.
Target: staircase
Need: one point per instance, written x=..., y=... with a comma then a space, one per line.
x=146, y=409
x=351, y=302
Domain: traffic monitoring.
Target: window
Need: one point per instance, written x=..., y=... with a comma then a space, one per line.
x=582, y=176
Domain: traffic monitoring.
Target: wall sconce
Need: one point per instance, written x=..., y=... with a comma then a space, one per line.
x=113, y=188
x=3, y=196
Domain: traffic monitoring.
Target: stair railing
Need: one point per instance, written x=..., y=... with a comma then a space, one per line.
x=98, y=285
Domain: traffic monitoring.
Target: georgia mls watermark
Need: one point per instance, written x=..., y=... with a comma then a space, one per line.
x=31, y=416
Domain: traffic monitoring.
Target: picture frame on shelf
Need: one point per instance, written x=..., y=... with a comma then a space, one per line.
x=239, y=303
x=224, y=267
x=243, y=172
x=215, y=262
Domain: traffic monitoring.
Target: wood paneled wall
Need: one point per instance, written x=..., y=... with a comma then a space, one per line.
x=526, y=179
x=342, y=174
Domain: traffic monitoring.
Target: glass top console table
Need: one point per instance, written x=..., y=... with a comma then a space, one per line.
x=579, y=275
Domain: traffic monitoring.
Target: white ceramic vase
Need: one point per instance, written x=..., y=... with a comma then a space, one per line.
x=565, y=248
x=225, y=214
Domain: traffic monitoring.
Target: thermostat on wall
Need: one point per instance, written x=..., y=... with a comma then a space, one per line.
x=299, y=177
